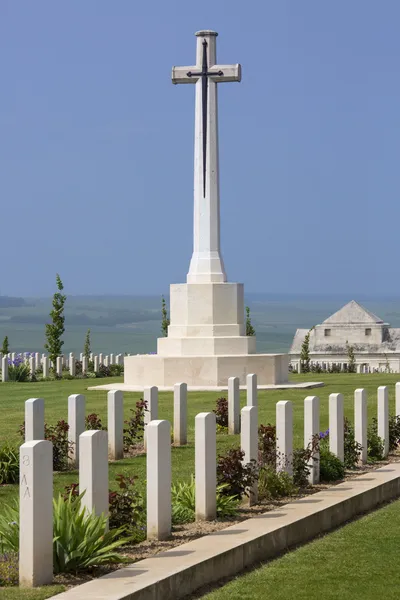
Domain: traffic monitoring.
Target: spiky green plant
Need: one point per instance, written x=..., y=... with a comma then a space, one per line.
x=184, y=502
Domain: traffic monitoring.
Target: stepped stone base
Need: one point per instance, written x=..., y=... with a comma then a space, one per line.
x=204, y=371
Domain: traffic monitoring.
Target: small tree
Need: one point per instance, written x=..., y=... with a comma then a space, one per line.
x=249, y=327
x=6, y=347
x=55, y=330
x=86, y=348
x=165, y=320
x=305, y=353
x=351, y=366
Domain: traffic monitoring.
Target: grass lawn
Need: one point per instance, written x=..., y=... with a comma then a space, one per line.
x=36, y=594
x=55, y=394
x=359, y=561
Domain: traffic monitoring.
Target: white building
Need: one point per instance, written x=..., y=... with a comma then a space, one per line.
x=376, y=345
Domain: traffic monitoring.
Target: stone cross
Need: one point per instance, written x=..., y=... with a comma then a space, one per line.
x=206, y=265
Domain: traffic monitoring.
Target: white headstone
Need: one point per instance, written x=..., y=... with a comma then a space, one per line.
x=383, y=417
x=251, y=381
x=59, y=366
x=37, y=359
x=36, y=514
x=311, y=429
x=72, y=364
x=81, y=356
x=106, y=361
x=4, y=368
x=150, y=396
x=158, y=463
x=84, y=364
x=96, y=364
x=93, y=471
x=32, y=365
x=100, y=358
x=180, y=414
x=45, y=363
x=115, y=424
x=284, y=436
x=205, y=466
x=34, y=419
x=361, y=422
x=76, y=422
x=249, y=444
x=111, y=359
x=336, y=425
x=233, y=405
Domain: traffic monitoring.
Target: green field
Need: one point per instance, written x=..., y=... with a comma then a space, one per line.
x=359, y=561
x=13, y=395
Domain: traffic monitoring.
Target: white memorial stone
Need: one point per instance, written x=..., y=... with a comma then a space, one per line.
x=180, y=414
x=59, y=366
x=111, y=359
x=233, y=405
x=100, y=358
x=251, y=381
x=37, y=359
x=93, y=471
x=4, y=369
x=150, y=396
x=96, y=364
x=311, y=429
x=76, y=422
x=361, y=422
x=115, y=424
x=249, y=444
x=336, y=425
x=84, y=365
x=32, y=365
x=45, y=363
x=383, y=417
x=158, y=463
x=284, y=436
x=34, y=419
x=36, y=514
x=81, y=356
x=106, y=361
x=205, y=466
x=72, y=365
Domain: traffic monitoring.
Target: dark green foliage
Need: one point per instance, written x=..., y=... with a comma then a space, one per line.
x=274, y=484
x=9, y=573
x=86, y=348
x=19, y=370
x=133, y=433
x=55, y=329
x=9, y=464
x=330, y=467
x=127, y=507
x=394, y=432
x=301, y=460
x=164, y=316
x=58, y=435
x=351, y=365
x=249, y=327
x=235, y=475
x=184, y=502
x=93, y=422
x=116, y=370
x=375, y=443
x=352, y=449
x=221, y=412
x=267, y=445
x=305, y=353
x=6, y=346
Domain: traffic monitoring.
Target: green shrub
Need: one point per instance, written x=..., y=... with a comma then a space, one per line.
x=9, y=569
x=267, y=445
x=330, y=467
x=275, y=484
x=394, y=432
x=116, y=370
x=9, y=528
x=301, y=460
x=9, y=464
x=133, y=433
x=58, y=435
x=19, y=369
x=93, y=422
x=221, y=413
x=374, y=443
x=235, y=475
x=352, y=449
x=184, y=502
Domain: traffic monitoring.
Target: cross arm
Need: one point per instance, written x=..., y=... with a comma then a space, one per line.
x=230, y=73
x=180, y=74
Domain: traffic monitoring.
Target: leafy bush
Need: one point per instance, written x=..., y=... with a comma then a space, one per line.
x=9, y=528
x=235, y=475
x=330, y=467
x=352, y=449
x=394, y=432
x=184, y=502
x=221, y=412
x=267, y=445
x=135, y=425
x=116, y=370
x=375, y=446
x=93, y=422
x=9, y=569
x=301, y=459
x=274, y=484
x=9, y=464
x=19, y=369
x=58, y=435
x=104, y=371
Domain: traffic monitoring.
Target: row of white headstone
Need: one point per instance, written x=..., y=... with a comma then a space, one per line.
x=92, y=449
x=35, y=360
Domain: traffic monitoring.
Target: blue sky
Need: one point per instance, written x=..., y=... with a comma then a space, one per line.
x=96, y=145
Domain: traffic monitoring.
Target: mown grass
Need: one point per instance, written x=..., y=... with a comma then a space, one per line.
x=358, y=561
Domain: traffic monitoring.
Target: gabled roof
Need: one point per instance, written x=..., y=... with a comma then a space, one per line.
x=352, y=313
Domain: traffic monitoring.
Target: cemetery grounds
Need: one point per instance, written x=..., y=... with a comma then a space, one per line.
x=357, y=539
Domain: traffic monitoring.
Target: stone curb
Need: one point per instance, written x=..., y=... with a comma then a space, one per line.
x=180, y=571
